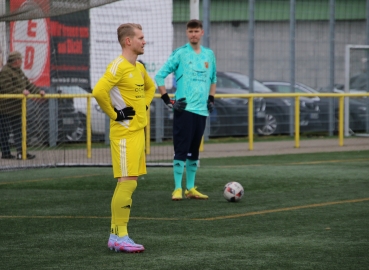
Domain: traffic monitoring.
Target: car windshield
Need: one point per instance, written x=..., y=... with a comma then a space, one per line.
x=308, y=88
x=72, y=90
x=244, y=80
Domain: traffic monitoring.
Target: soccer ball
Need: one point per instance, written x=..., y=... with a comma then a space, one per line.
x=233, y=191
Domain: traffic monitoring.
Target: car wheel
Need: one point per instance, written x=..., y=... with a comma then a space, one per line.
x=271, y=125
x=78, y=132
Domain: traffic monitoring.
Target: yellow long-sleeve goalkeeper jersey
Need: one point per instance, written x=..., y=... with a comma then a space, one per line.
x=124, y=85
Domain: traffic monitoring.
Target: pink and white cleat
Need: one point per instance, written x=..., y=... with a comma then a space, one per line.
x=126, y=244
x=111, y=242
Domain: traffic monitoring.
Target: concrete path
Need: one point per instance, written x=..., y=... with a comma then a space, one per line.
x=163, y=155
x=284, y=147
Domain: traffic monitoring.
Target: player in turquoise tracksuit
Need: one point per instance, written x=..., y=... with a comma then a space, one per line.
x=194, y=67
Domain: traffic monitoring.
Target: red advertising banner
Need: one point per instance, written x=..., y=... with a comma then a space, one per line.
x=70, y=58
x=31, y=39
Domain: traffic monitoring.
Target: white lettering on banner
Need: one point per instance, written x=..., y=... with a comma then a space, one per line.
x=69, y=80
x=31, y=39
x=156, y=21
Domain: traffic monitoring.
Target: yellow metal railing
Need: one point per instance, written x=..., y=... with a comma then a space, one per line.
x=49, y=96
x=250, y=98
x=297, y=96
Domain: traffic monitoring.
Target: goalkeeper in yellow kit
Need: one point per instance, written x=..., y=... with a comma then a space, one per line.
x=124, y=93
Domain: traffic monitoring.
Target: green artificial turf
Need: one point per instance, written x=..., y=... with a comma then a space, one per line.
x=305, y=211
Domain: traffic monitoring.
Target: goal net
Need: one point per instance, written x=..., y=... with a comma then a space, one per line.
x=356, y=81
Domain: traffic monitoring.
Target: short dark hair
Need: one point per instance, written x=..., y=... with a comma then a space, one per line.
x=194, y=24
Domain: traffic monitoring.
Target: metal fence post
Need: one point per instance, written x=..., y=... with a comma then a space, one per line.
x=206, y=43
x=53, y=118
x=347, y=90
x=159, y=120
x=292, y=60
x=367, y=65
x=331, y=112
x=251, y=45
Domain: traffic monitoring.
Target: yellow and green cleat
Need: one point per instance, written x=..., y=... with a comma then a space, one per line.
x=194, y=194
x=177, y=194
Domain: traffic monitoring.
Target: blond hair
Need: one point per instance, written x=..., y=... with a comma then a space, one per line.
x=127, y=30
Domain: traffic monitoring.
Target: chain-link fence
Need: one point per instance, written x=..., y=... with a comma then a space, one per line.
x=276, y=46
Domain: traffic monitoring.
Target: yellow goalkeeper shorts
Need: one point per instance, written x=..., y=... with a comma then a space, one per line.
x=128, y=155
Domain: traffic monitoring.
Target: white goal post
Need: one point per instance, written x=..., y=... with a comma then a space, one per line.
x=348, y=49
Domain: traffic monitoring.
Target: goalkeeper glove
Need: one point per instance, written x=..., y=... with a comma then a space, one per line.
x=210, y=103
x=167, y=101
x=178, y=105
x=125, y=114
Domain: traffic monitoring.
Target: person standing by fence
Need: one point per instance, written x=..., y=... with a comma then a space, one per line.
x=13, y=81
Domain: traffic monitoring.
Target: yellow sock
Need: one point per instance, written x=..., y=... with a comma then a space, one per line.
x=121, y=205
x=112, y=225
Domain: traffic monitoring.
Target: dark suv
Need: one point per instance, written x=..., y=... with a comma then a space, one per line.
x=277, y=112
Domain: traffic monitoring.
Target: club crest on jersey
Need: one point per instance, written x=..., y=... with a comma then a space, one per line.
x=206, y=64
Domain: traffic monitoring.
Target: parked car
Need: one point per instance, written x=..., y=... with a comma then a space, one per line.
x=309, y=106
x=277, y=113
x=230, y=115
x=357, y=106
x=357, y=83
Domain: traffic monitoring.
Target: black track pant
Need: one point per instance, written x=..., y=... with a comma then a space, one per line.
x=188, y=129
